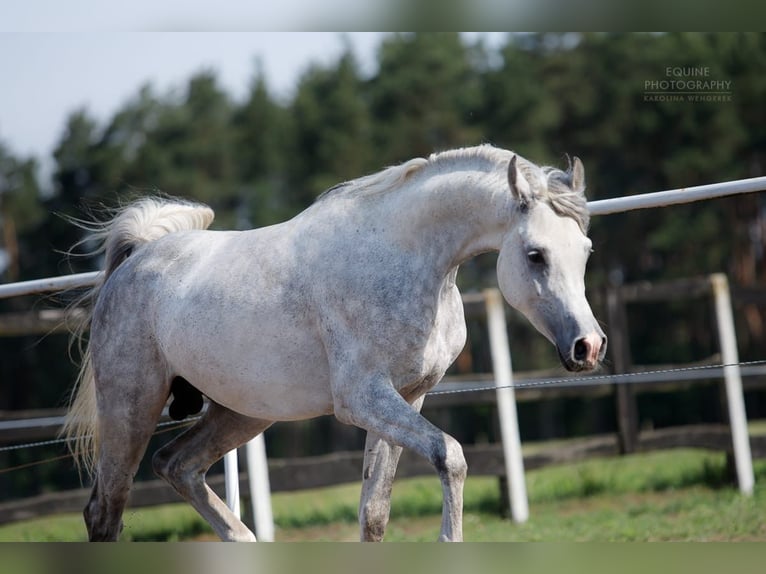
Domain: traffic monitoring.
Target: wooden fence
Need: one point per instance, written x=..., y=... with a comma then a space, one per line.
x=302, y=473
x=292, y=474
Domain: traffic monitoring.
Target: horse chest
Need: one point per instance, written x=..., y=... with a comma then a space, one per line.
x=424, y=364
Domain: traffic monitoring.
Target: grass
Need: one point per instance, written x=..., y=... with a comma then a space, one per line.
x=670, y=495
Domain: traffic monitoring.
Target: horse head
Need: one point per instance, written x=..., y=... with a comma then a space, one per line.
x=541, y=265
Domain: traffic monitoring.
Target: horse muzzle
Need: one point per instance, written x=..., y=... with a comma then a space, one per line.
x=585, y=354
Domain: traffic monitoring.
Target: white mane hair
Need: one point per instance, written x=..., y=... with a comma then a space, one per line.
x=548, y=183
x=386, y=180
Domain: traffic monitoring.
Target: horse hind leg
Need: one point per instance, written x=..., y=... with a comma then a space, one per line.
x=128, y=416
x=186, y=459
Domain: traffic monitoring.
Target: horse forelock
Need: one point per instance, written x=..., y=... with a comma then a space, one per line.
x=563, y=198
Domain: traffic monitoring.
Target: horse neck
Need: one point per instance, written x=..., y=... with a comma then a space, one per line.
x=460, y=212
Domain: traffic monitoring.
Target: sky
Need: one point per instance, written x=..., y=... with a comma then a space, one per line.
x=58, y=56
x=46, y=76
x=198, y=15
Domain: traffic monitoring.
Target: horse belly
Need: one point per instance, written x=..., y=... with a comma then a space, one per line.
x=278, y=373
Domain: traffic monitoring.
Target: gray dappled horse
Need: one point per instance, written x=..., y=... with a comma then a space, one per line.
x=350, y=308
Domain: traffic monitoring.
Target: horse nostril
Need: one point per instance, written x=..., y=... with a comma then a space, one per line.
x=581, y=349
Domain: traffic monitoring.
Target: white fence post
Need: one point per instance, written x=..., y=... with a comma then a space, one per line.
x=260, y=489
x=258, y=482
x=734, y=396
x=506, y=405
x=231, y=479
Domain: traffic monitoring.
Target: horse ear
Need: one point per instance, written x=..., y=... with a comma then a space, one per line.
x=518, y=184
x=578, y=175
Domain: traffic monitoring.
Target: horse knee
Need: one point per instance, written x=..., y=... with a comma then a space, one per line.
x=176, y=471
x=449, y=460
x=168, y=467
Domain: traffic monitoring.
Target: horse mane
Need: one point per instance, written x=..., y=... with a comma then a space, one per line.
x=386, y=180
x=548, y=183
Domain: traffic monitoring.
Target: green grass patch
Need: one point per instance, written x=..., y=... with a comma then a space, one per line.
x=654, y=472
x=670, y=495
x=58, y=528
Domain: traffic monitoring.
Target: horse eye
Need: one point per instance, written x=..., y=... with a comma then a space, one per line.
x=536, y=257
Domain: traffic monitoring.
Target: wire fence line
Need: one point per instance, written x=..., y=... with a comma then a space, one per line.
x=620, y=378
x=61, y=440
x=55, y=441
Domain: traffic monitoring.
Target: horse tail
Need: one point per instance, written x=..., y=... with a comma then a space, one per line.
x=141, y=222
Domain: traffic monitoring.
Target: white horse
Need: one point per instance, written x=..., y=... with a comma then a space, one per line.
x=349, y=309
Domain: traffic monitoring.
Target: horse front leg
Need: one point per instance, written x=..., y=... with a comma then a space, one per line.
x=374, y=405
x=380, y=461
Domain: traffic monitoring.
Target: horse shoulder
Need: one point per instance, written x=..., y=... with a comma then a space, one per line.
x=450, y=331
